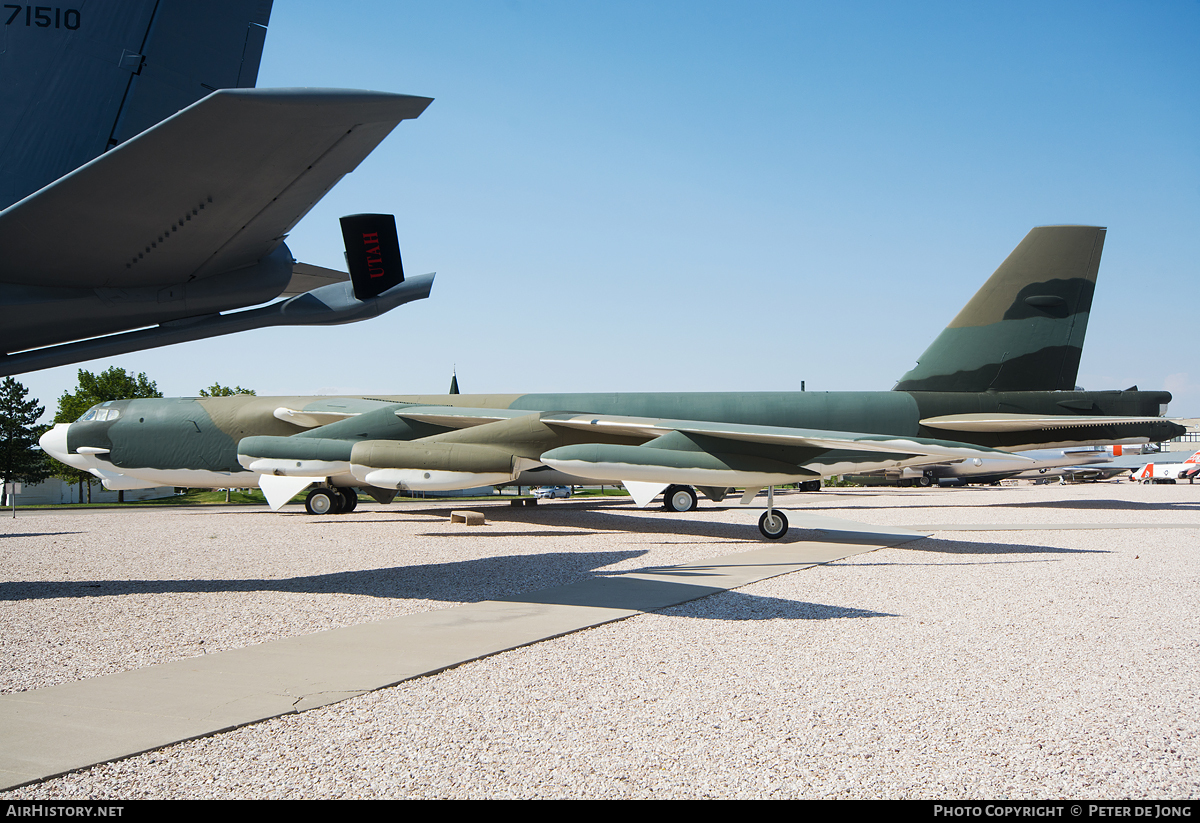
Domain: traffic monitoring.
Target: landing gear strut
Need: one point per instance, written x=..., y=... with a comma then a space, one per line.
x=773, y=524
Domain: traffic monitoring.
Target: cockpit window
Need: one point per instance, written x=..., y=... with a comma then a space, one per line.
x=97, y=414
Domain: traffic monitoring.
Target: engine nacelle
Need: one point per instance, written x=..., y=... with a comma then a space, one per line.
x=393, y=464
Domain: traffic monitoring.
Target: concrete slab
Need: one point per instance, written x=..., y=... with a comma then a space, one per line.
x=47, y=732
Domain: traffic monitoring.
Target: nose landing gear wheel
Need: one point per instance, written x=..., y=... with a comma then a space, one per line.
x=679, y=499
x=773, y=524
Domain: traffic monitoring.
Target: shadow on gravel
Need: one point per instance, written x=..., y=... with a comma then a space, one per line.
x=737, y=606
x=470, y=580
x=583, y=518
x=37, y=534
x=931, y=544
x=1129, y=505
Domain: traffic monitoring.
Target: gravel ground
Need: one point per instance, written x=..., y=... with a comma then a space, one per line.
x=1025, y=663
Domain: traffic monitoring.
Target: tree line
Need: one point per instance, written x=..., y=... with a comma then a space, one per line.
x=23, y=461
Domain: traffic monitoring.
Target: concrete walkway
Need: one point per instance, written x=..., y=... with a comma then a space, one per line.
x=47, y=732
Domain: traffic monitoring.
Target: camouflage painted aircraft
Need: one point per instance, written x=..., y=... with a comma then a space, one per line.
x=146, y=186
x=999, y=379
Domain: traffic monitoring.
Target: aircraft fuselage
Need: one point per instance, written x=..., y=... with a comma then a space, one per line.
x=194, y=441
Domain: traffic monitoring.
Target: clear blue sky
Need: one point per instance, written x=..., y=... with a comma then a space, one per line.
x=690, y=196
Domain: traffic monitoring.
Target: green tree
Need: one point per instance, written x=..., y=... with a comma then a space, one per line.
x=217, y=390
x=112, y=384
x=21, y=461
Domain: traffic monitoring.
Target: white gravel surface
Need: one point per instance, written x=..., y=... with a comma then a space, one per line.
x=1025, y=663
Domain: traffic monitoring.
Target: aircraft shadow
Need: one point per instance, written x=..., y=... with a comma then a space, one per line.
x=581, y=518
x=485, y=579
x=915, y=503
x=473, y=580
x=735, y=605
x=964, y=547
x=1130, y=505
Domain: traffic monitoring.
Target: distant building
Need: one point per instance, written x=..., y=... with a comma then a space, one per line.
x=55, y=491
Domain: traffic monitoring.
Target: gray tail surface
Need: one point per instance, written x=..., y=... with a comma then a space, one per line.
x=75, y=82
x=1024, y=330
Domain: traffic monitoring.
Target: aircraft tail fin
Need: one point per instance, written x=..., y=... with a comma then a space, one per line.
x=372, y=253
x=1024, y=330
x=76, y=82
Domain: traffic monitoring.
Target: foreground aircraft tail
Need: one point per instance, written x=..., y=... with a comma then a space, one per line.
x=76, y=82
x=1024, y=330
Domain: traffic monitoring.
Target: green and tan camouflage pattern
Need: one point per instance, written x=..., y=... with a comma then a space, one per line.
x=204, y=433
x=1024, y=330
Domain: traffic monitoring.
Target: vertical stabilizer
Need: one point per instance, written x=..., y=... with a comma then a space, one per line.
x=74, y=82
x=1024, y=330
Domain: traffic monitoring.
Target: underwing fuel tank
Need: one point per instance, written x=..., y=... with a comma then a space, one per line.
x=295, y=457
x=431, y=466
x=647, y=464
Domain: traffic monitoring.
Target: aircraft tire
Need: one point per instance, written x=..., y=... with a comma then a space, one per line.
x=349, y=500
x=680, y=499
x=923, y=480
x=323, y=501
x=773, y=525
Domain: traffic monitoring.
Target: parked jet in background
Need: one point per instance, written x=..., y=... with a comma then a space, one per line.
x=997, y=380
x=980, y=471
x=144, y=182
x=1164, y=472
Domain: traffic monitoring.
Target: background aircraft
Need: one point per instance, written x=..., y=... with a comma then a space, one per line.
x=998, y=379
x=144, y=182
x=979, y=471
x=1168, y=472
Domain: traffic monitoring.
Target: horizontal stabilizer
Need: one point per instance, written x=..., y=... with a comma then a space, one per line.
x=327, y=306
x=1025, y=422
x=306, y=277
x=216, y=187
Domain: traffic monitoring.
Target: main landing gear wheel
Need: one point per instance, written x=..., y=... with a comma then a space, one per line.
x=679, y=499
x=323, y=501
x=349, y=499
x=773, y=524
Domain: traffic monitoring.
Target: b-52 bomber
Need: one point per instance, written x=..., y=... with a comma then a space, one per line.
x=999, y=379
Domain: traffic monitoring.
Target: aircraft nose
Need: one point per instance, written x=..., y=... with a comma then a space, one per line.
x=54, y=443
